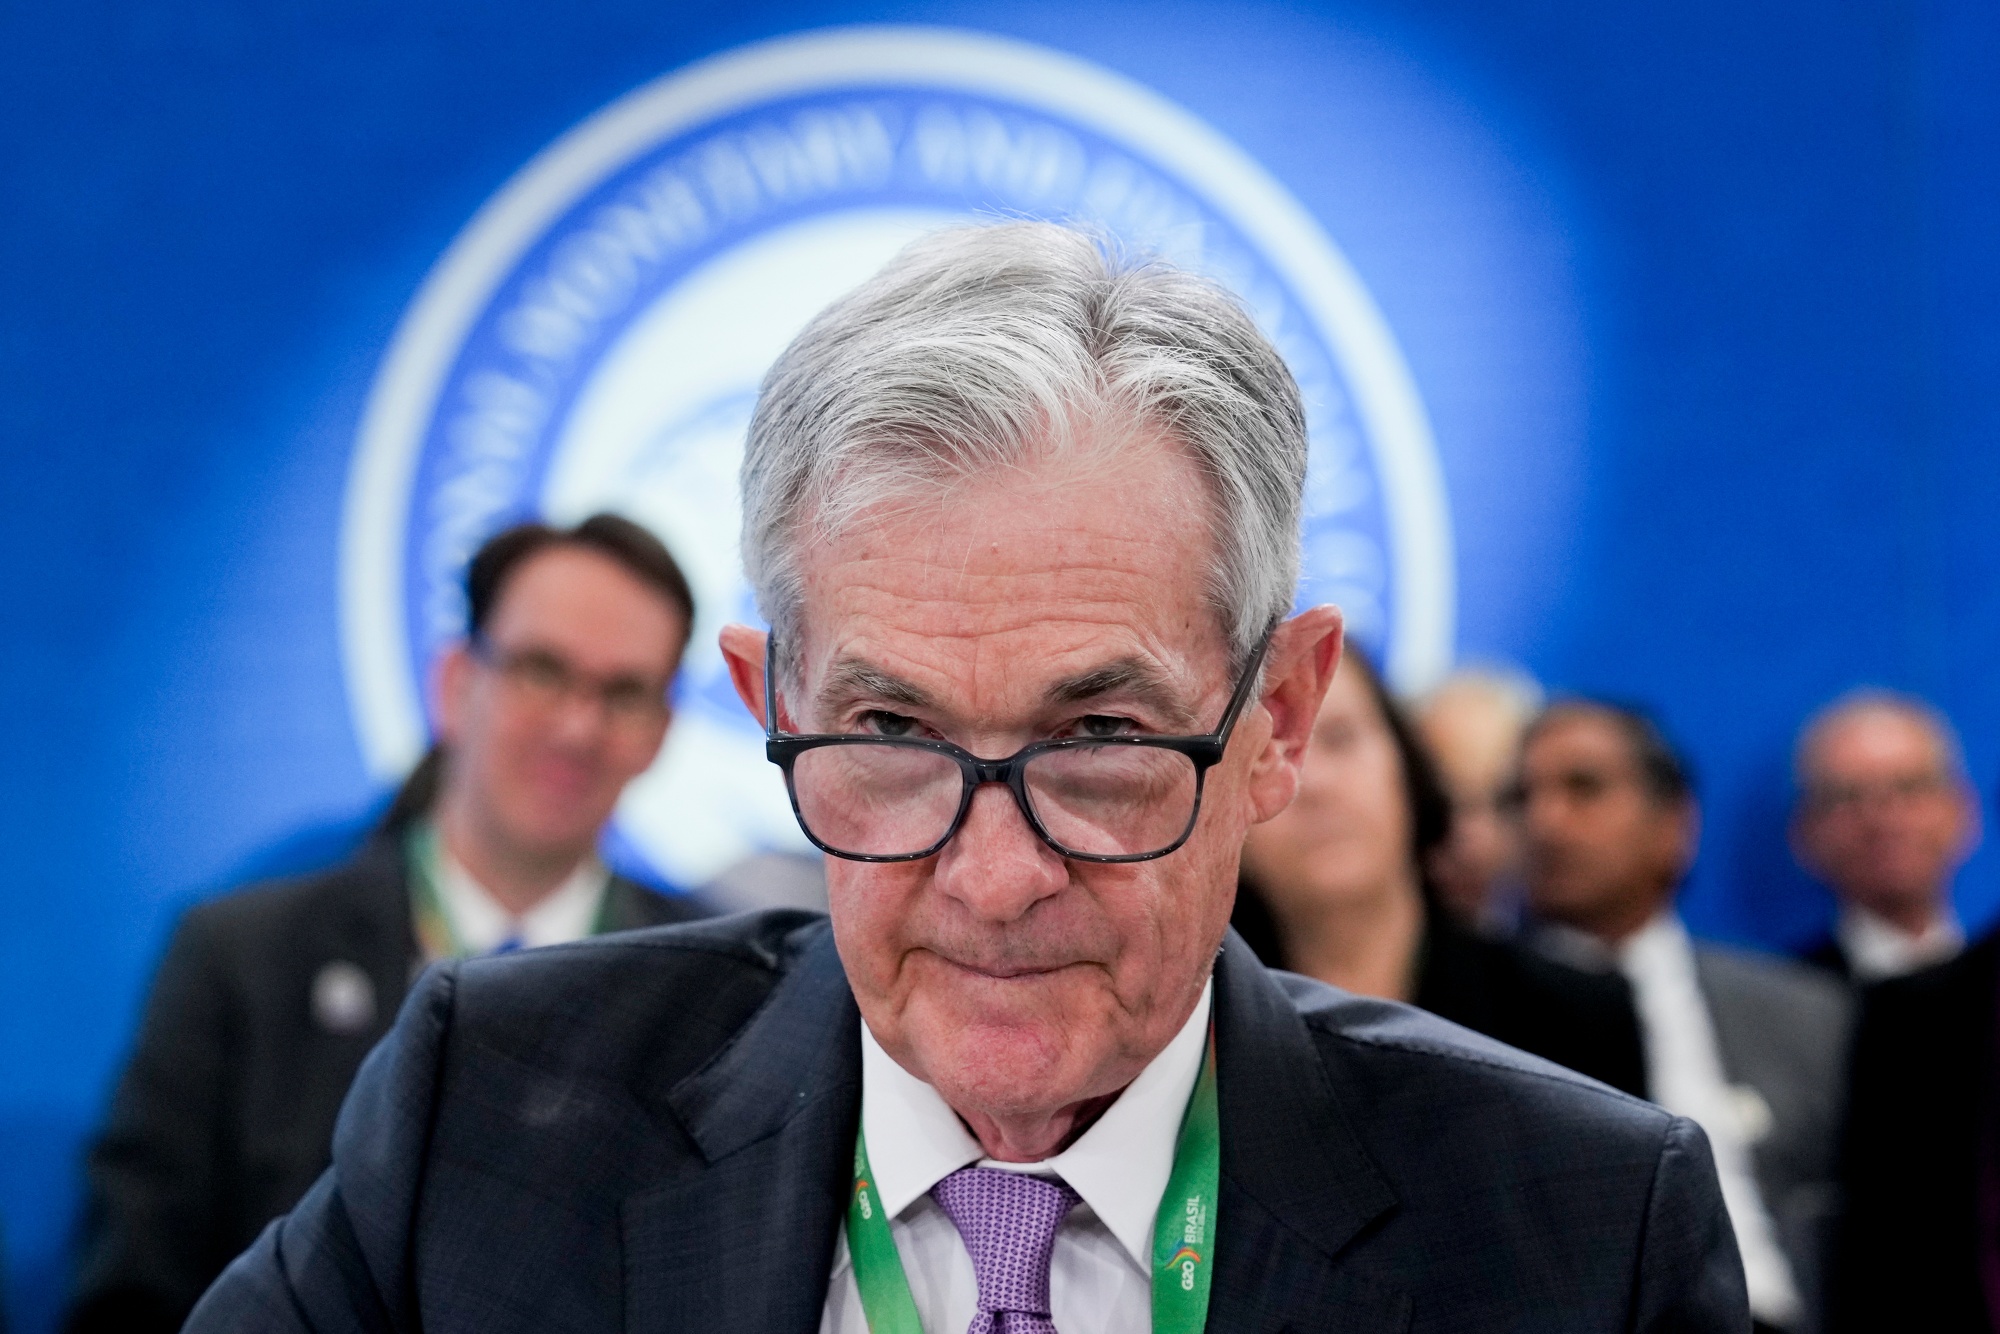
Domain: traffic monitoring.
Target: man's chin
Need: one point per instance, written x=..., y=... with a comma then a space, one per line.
x=1010, y=1055
x=1007, y=1072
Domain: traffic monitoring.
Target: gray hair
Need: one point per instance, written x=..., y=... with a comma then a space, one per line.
x=1874, y=699
x=979, y=348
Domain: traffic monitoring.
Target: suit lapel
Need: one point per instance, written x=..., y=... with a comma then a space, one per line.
x=1297, y=1186
x=745, y=1238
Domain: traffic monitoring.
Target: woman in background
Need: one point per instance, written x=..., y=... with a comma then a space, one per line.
x=1336, y=888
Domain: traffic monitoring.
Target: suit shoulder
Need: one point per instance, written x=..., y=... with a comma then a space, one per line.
x=1592, y=993
x=1807, y=994
x=1943, y=992
x=1403, y=1053
x=646, y=906
x=275, y=910
x=669, y=996
x=1826, y=955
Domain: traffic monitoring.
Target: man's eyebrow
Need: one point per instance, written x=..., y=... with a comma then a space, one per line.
x=1134, y=677
x=851, y=678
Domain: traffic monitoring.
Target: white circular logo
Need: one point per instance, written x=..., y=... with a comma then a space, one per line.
x=595, y=337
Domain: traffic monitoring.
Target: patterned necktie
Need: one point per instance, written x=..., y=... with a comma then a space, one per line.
x=1008, y=1221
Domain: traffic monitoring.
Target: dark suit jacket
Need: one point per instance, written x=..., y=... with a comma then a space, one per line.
x=1924, y=1075
x=1582, y=1020
x=225, y=1114
x=1826, y=953
x=1577, y=1019
x=656, y=1133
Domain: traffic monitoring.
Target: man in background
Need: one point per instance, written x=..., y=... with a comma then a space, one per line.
x=1472, y=725
x=268, y=999
x=1885, y=818
x=1748, y=1048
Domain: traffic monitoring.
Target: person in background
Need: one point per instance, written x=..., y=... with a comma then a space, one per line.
x=268, y=999
x=1748, y=1047
x=1472, y=725
x=1337, y=888
x=1920, y=1163
x=1885, y=818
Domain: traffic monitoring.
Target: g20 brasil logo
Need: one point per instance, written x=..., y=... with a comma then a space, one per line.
x=595, y=337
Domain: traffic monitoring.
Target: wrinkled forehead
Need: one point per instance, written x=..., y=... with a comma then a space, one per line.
x=994, y=594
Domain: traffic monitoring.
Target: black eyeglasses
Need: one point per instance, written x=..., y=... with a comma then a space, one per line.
x=546, y=679
x=900, y=799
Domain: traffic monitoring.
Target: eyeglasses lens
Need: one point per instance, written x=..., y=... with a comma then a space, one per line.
x=1112, y=801
x=877, y=801
x=898, y=801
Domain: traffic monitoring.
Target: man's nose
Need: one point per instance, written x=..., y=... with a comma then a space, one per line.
x=579, y=717
x=998, y=866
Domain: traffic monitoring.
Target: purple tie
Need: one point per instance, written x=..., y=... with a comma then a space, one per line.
x=1008, y=1221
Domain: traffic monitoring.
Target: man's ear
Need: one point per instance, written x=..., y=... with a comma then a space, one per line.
x=1298, y=668
x=1972, y=826
x=1684, y=829
x=1799, y=831
x=743, y=650
x=451, y=683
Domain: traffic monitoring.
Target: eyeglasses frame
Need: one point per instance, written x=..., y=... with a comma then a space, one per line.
x=501, y=661
x=1205, y=751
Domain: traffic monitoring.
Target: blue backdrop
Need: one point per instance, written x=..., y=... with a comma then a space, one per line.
x=1702, y=300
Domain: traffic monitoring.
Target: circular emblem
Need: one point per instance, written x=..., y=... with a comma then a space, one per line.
x=595, y=337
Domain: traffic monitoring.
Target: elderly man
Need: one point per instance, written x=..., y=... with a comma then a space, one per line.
x=1885, y=818
x=1749, y=1047
x=268, y=999
x=1024, y=520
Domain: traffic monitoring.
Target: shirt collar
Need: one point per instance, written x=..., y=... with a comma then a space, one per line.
x=1660, y=943
x=1119, y=1166
x=483, y=923
x=1877, y=948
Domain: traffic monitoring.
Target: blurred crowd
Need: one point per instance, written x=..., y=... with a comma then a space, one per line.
x=1507, y=861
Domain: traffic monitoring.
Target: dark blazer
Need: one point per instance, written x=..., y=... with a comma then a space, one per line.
x=1923, y=1094
x=225, y=1114
x=655, y=1132
x=1579, y=1019
x=1827, y=954
x=1582, y=1020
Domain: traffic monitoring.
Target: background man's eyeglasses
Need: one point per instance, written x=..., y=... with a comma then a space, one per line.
x=546, y=680
x=1096, y=799
x=1901, y=790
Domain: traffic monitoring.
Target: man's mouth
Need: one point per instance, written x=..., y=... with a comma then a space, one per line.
x=1004, y=971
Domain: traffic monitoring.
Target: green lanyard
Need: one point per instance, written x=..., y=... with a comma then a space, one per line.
x=436, y=936
x=1183, y=1231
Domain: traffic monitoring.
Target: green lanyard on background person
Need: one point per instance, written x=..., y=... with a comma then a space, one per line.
x=436, y=936
x=1183, y=1230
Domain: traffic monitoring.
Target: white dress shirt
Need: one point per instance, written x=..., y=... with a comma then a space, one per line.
x=482, y=923
x=1685, y=1075
x=1100, y=1274
x=1877, y=948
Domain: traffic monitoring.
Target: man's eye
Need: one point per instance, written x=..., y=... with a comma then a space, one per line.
x=882, y=723
x=1103, y=725
x=541, y=671
x=1585, y=786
